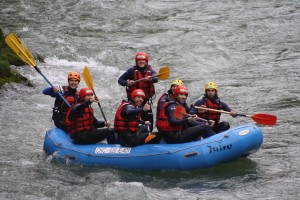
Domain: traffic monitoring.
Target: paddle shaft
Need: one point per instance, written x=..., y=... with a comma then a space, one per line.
x=147, y=78
x=265, y=119
x=221, y=111
x=32, y=63
x=163, y=74
x=61, y=96
x=100, y=107
x=199, y=118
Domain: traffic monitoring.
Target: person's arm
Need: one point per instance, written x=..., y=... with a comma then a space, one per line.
x=98, y=123
x=225, y=107
x=130, y=111
x=53, y=92
x=154, y=79
x=124, y=78
x=49, y=91
x=78, y=110
x=187, y=107
x=197, y=103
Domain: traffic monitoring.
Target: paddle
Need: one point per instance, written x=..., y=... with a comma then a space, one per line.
x=260, y=118
x=163, y=74
x=89, y=82
x=180, y=113
x=24, y=54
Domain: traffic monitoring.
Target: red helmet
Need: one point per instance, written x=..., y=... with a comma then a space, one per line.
x=74, y=75
x=137, y=92
x=83, y=92
x=181, y=90
x=141, y=56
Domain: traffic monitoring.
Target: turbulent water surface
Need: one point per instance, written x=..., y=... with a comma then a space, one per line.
x=251, y=49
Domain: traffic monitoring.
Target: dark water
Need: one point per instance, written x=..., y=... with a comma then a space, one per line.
x=251, y=49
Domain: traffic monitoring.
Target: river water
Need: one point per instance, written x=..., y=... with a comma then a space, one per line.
x=251, y=49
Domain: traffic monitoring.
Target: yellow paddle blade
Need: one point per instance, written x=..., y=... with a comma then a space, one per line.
x=164, y=73
x=88, y=78
x=19, y=48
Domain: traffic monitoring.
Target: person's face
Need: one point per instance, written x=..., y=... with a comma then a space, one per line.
x=173, y=87
x=138, y=100
x=181, y=98
x=141, y=63
x=73, y=83
x=88, y=97
x=211, y=93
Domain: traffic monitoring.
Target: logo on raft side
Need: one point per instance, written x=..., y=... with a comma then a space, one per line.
x=244, y=132
x=117, y=150
x=219, y=148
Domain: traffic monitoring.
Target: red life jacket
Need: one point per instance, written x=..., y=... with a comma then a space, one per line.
x=160, y=103
x=211, y=115
x=124, y=124
x=71, y=98
x=147, y=87
x=83, y=123
x=162, y=122
x=165, y=97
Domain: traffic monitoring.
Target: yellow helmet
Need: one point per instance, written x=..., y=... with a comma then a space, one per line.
x=211, y=85
x=178, y=82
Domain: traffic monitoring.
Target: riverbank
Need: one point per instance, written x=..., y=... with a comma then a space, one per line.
x=8, y=58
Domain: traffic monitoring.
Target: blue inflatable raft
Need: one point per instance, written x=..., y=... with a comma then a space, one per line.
x=223, y=147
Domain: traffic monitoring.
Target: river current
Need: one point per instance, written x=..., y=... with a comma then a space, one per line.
x=251, y=49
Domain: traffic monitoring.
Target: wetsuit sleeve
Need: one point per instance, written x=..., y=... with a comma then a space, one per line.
x=78, y=110
x=154, y=79
x=128, y=75
x=197, y=103
x=49, y=91
x=225, y=107
x=173, y=121
x=130, y=111
x=98, y=123
x=187, y=107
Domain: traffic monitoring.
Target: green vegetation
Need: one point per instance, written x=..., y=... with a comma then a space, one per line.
x=7, y=58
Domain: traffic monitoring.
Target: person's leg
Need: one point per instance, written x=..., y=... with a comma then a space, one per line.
x=91, y=137
x=191, y=134
x=144, y=136
x=206, y=131
x=112, y=138
x=60, y=122
x=222, y=126
x=172, y=137
x=196, y=132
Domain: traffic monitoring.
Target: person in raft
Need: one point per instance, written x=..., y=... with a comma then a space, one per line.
x=82, y=124
x=141, y=70
x=182, y=130
x=70, y=93
x=128, y=121
x=169, y=95
x=212, y=100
